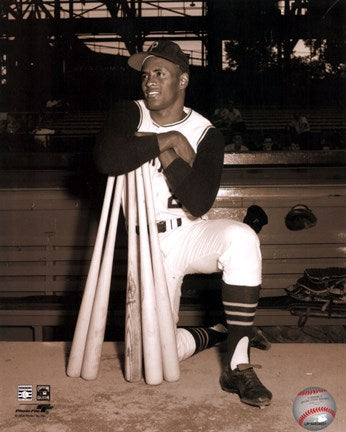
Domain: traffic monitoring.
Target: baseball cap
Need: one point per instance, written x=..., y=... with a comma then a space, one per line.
x=165, y=49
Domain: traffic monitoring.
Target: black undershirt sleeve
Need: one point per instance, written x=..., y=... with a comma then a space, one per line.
x=196, y=187
x=117, y=150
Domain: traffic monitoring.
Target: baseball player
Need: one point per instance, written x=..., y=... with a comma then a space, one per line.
x=186, y=159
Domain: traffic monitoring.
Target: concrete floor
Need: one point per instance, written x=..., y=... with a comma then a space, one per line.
x=195, y=403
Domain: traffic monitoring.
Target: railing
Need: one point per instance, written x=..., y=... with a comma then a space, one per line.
x=117, y=47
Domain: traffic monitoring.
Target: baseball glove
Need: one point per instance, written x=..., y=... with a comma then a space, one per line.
x=320, y=292
x=300, y=217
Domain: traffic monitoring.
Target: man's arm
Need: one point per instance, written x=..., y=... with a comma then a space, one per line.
x=118, y=150
x=193, y=178
x=172, y=145
x=196, y=186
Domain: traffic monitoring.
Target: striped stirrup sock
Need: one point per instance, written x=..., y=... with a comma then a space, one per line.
x=206, y=337
x=240, y=303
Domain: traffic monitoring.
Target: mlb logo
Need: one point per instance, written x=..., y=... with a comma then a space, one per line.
x=25, y=393
x=43, y=392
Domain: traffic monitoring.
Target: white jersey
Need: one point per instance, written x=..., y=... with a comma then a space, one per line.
x=194, y=127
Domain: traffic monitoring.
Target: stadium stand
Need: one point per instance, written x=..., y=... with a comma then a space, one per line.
x=272, y=118
x=84, y=123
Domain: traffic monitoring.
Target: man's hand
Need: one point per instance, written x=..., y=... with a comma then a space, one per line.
x=172, y=144
x=176, y=141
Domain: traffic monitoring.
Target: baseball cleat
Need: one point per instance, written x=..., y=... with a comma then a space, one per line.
x=217, y=334
x=244, y=381
x=260, y=341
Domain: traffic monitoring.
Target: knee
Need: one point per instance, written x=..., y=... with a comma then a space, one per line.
x=242, y=234
x=241, y=245
x=241, y=262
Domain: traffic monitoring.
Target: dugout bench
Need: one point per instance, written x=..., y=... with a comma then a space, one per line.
x=49, y=218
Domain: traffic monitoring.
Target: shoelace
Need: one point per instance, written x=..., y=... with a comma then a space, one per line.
x=243, y=366
x=251, y=380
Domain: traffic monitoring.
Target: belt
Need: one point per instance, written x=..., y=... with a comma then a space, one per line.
x=165, y=225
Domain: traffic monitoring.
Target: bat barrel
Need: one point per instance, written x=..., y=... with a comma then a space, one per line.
x=171, y=370
x=96, y=330
x=150, y=326
x=133, y=330
x=80, y=334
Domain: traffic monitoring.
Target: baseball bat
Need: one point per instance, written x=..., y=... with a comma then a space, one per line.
x=80, y=334
x=97, y=325
x=150, y=328
x=133, y=332
x=171, y=370
x=170, y=361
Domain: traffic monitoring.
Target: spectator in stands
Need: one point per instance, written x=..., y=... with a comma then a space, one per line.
x=236, y=119
x=42, y=136
x=13, y=125
x=237, y=144
x=16, y=135
x=330, y=141
x=324, y=141
x=293, y=146
x=42, y=133
x=267, y=143
x=3, y=122
x=299, y=129
x=229, y=117
x=54, y=104
x=220, y=118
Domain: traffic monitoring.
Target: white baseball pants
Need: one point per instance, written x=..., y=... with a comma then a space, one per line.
x=209, y=246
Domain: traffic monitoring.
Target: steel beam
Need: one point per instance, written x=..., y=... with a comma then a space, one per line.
x=303, y=27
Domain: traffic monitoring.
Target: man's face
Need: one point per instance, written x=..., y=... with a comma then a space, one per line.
x=267, y=144
x=163, y=84
x=238, y=141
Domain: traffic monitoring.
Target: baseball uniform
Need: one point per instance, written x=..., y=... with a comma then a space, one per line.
x=190, y=242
